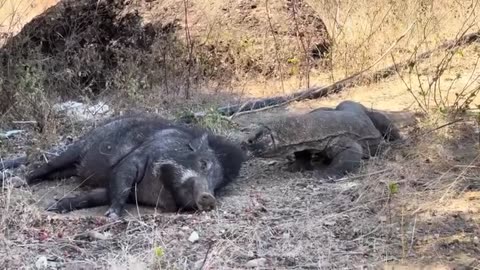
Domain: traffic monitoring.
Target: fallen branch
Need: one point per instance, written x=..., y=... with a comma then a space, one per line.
x=355, y=79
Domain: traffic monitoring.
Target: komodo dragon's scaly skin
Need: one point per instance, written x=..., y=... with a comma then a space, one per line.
x=342, y=136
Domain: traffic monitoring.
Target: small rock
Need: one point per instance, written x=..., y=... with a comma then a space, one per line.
x=193, y=237
x=256, y=263
x=476, y=240
x=41, y=262
x=16, y=181
x=98, y=236
x=82, y=112
x=10, y=133
x=382, y=218
x=198, y=264
x=329, y=222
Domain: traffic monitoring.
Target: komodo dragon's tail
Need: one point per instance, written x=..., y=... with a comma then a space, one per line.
x=402, y=119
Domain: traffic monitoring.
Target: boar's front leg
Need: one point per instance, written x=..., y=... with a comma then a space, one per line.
x=120, y=187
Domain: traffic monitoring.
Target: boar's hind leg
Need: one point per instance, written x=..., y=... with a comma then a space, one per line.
x=93, y=198
x=63, y=173
x=120, y=187
x=63, y=166
x=345, y=157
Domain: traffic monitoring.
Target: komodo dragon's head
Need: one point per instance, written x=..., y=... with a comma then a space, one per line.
x=260, y=143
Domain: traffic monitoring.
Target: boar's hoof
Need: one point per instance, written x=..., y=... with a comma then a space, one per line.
x=206, y=202
x=112, y=215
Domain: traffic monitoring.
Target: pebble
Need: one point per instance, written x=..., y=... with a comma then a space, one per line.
x=476, y=240
x=98, y=236
x=198, y=264
x=10, y=133
x=16, y=181
x=329, y=222
x=256, y=263
x=193, y=237
x=41, y=262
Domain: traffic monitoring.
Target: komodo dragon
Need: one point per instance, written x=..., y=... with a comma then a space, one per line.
x=341, y=137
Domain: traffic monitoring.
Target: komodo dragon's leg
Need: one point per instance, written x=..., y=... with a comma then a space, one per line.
x=302, y=161
x=345, y=156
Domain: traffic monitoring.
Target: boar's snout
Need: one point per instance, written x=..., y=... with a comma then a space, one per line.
x=206, y=202
x=203, y=196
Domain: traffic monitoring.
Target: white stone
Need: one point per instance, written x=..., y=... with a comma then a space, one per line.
x=256, y=263
x=41, y=262
x=193, y=237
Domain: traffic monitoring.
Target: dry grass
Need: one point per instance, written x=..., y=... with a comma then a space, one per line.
x=364, y=30
x=407, y=207
x=418, y=205
x=16, y=13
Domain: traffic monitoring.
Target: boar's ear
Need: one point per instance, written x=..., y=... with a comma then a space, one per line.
x=199, y=142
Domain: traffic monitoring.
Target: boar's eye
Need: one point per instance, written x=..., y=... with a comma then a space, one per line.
x=204, y=164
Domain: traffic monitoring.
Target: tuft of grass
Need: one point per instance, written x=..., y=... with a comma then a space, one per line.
x=393, y=188
x=211, y=120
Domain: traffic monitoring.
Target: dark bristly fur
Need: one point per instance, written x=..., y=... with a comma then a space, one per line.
x=169, y=165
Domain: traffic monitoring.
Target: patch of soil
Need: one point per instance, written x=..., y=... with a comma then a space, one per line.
x=291, y=220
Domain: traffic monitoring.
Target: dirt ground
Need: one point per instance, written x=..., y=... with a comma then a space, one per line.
x=275, y=219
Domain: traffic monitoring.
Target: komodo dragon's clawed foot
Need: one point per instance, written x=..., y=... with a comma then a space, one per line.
x=298, y=166
x=327, y=176
x=300, y=162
